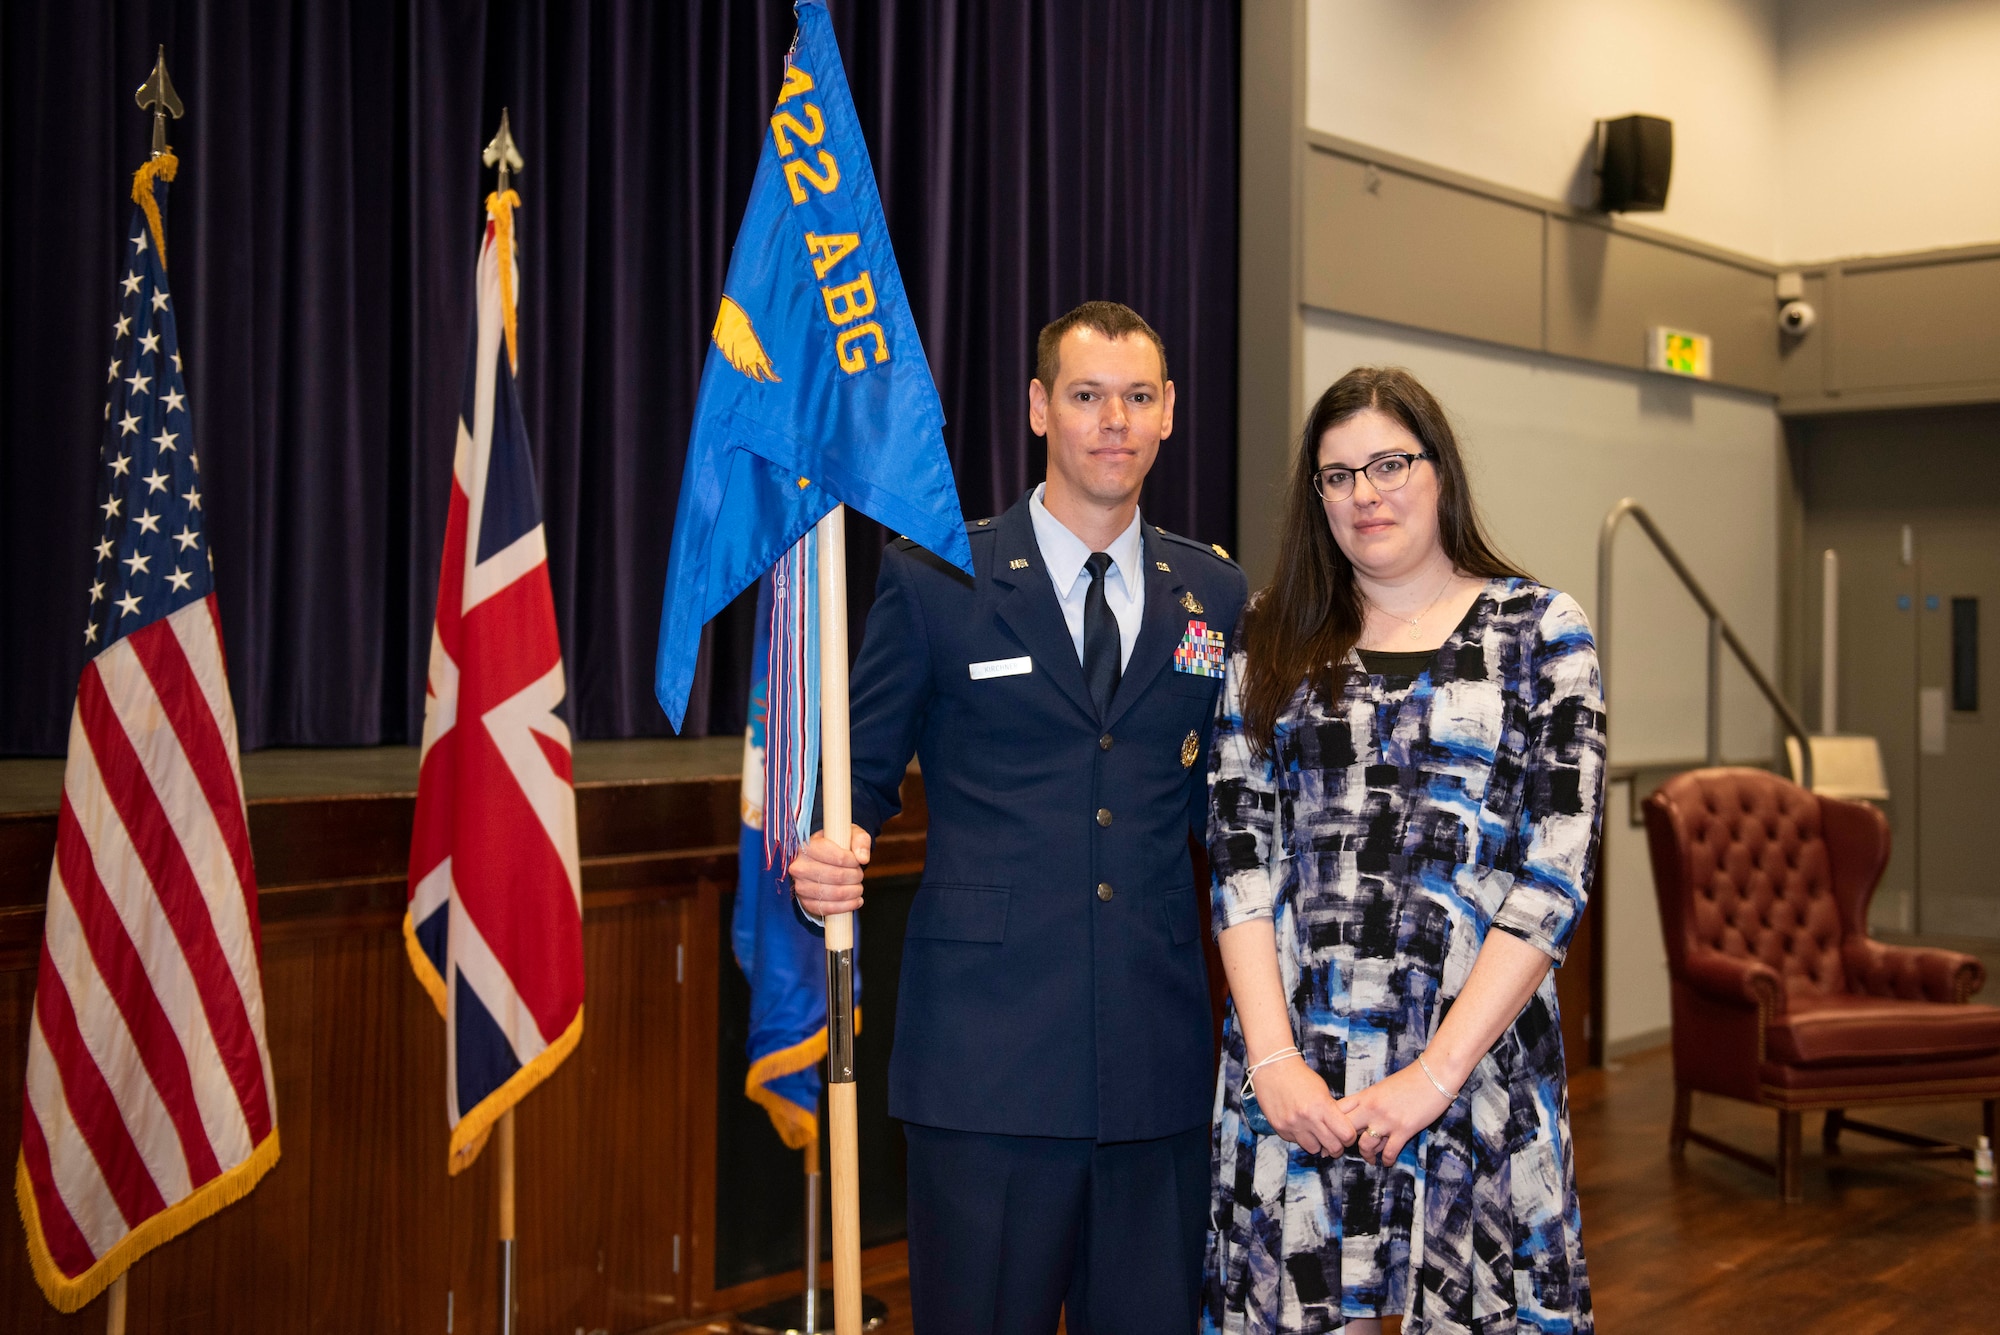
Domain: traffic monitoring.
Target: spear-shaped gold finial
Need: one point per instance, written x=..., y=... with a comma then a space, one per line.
x=158, y=93
x=501, y=152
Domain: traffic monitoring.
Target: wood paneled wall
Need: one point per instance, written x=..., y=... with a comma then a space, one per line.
x=358, y=1227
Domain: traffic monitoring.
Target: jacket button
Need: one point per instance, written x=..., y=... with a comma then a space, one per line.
x=1104, y=742
x=1104, y=891
x=1104, y=815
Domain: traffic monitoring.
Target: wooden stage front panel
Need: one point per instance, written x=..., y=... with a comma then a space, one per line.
x=358, y=1227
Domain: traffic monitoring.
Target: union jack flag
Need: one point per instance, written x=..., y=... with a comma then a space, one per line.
x=495, y=922
x=149, y=1092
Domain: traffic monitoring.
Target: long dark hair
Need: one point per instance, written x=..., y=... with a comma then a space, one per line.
x=1298, y=629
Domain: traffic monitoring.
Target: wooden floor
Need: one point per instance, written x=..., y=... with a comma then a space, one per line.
x=1704, y=1245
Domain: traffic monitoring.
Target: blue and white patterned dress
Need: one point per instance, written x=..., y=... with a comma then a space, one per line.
x=1385, y=838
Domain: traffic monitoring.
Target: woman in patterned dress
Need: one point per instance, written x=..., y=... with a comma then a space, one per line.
x=1408, y=755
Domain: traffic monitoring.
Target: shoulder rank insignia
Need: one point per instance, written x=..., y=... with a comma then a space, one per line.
x=1190, y=748
x=1216, y=547
x=1200, y=652
x=1191, y=603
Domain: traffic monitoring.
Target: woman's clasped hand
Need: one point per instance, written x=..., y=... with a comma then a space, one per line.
x=1299, y=1107
x=1391, y=1112
x=1375, y=1122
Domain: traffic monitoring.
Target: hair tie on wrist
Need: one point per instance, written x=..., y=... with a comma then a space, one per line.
x=1278, y=1056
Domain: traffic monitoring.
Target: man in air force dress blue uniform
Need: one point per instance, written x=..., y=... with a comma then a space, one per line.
x=1052, y=1060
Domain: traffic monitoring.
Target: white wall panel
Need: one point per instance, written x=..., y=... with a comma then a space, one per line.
x=1803, y=129
x=1508, y=92
x=1891, y=134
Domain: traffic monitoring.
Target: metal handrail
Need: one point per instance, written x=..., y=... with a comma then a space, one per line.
x=1719, y=634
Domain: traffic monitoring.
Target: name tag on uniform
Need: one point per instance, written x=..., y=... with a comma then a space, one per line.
x=1002, y=667
x=1200, y=652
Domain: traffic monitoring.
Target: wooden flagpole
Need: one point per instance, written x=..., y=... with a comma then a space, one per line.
x=837, y=785
x=114, y=1307
x=157, y=93
x=503, y=154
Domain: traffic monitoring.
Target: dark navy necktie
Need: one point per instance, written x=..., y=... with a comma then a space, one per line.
x=1100, y=637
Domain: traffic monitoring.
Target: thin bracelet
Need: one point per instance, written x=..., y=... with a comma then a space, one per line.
x=1426, y=1068
x=1277, y=1056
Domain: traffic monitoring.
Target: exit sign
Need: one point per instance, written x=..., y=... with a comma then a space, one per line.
x=1678, y=352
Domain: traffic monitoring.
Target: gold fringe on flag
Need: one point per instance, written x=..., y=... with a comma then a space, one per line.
x=475, y=1124
x=797, y=1127
x=67, y=1294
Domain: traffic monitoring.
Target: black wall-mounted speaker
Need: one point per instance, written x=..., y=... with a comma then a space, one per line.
x=1635, y=158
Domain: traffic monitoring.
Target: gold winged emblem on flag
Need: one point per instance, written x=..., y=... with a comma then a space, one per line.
x=737, y=338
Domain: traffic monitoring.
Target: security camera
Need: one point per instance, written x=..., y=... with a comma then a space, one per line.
x=1795, y=317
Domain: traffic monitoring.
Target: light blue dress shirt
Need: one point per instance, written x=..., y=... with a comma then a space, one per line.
x=1124, y=584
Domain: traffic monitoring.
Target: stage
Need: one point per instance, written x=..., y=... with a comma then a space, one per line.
x=651, y=1190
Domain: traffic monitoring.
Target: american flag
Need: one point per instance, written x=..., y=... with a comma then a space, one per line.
x=495, y=923
x=149, y=1092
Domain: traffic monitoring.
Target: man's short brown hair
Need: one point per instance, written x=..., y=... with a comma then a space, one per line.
x=1109, y=318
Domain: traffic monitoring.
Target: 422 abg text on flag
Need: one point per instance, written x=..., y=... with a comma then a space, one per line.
x=816, y=392
x=815, y=395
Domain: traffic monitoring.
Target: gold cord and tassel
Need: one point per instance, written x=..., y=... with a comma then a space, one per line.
x=163, y=168
x=500, y=206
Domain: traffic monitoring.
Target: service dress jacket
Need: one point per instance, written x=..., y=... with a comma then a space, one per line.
x=1053, y=981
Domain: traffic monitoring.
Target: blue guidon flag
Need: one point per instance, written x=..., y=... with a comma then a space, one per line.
x=495, y=922
x=816, y=391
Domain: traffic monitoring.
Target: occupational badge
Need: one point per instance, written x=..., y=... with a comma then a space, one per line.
x=1200, y=652
x=1191, y=603
x=1190, y=748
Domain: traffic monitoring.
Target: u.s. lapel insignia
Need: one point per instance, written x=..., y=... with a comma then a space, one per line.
x=1191, y=603
x=1190, y=748
x=1018, y=563
x=1200, y=652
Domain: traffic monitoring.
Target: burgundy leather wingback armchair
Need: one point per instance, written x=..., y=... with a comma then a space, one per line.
x=1779, y=996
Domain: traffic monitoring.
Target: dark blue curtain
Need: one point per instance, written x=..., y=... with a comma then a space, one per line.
x=1031, y=154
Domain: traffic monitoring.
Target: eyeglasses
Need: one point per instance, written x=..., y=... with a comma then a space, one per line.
x=1387, y=473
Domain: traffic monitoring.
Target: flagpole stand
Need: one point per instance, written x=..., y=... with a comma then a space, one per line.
x=509, y=1295
x=809, y=1312
x=811, y=1295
